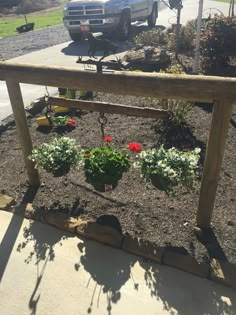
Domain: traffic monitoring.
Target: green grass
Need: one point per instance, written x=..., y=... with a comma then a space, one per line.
x=8, y=25
x=228, y=1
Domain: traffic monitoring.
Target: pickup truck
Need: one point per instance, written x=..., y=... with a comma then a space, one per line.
x=107, y=16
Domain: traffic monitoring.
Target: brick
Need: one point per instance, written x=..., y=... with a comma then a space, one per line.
x=223, y=272
x=6, y=201
x=63, y=222
x=103, y=233
x=143, y=248
x=186, y=263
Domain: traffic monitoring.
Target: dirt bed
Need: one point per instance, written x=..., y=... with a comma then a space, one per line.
x=142, y=210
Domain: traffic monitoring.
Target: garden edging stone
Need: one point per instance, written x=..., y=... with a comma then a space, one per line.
x=223, y=272
x=218, y=271
x=143, y=248
x=186, y=263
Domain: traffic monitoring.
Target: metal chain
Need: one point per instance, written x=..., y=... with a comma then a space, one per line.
x=48, y=106
x=102, y=121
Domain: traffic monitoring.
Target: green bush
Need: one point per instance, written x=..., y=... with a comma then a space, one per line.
x=186, y=37
x=179, y=108
x=217, y=40
x=154, y=37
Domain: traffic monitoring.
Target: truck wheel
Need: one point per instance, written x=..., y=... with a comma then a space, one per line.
x=75, y=37
x=124, y=26
x=152, y=17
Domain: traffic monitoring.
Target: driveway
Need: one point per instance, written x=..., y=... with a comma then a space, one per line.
x=65, y=55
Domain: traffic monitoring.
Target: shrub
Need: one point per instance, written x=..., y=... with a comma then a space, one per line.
x=179, y=108
x=217, y=39
x=154, y=37
x=186, y=37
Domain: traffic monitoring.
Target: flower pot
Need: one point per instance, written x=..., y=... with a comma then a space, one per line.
x=63, y=170
x=102, y=182
x=102, y=187
x=43, y=121
x=157, y=182
x=60, y=109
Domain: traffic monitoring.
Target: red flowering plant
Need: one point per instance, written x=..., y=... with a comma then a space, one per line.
x=64, y=121
x=105, y=165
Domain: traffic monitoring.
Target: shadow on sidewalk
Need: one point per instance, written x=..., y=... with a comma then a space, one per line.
x=13, y=229
x=109, y=271
x=184, y=296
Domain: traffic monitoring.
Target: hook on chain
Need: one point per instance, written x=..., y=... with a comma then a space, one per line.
x=102, y=121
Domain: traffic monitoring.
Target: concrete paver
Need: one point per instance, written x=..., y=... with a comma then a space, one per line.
x=46, y=271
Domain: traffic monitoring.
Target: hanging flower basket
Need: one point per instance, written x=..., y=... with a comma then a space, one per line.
x=167, y=168
x=104, y=166
x=57, y=157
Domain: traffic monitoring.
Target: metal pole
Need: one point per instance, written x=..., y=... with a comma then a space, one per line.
x=177, y=32
x=197, y=48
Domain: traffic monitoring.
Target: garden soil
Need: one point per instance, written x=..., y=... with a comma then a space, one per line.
x=142, y=210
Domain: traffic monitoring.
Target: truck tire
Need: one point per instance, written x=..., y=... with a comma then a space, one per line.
x=152, y=17
x=75, y=37
x=124, y=26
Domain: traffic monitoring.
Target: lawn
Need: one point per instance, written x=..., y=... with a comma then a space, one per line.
x=8, y=25
x=228, y=1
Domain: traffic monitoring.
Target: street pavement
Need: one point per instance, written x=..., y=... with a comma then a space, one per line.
x=46, y=271
x=66, y=54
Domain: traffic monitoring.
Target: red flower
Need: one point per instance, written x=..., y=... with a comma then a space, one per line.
x=108, y=139
x=90, y=221
x=133, y=146
x=185, y=150
x=88, y=154
x=71, y=123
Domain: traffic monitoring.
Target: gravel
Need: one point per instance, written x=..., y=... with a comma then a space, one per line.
x=21, y=44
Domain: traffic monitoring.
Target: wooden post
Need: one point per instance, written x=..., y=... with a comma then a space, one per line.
x=221, y=116
x=22, y=129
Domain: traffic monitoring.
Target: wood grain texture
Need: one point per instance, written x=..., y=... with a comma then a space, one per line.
x=160, y=85
x=22, y=129
x=111, y=108
x=221, y=116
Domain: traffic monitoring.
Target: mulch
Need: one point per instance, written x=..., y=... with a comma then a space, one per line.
x=142, y=210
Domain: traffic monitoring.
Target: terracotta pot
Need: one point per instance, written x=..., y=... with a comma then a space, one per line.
x=63, y=170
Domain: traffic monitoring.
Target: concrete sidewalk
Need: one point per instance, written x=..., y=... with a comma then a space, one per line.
x=47, y=271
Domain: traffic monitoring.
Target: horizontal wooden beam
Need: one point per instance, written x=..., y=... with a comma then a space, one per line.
x=111, y=108
x=158, y=85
